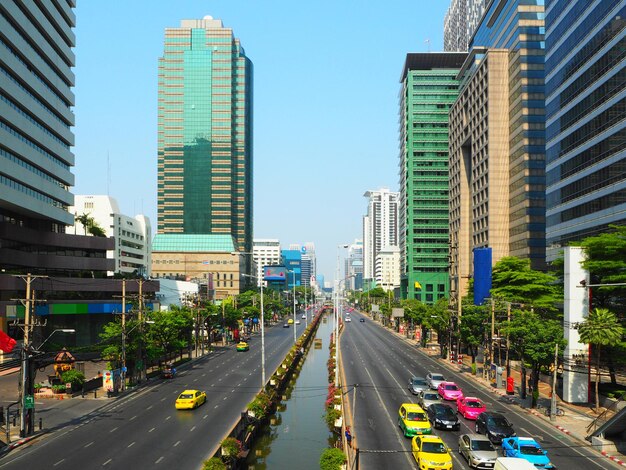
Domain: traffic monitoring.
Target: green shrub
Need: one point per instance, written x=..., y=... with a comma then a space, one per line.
x=473, y=368
x=332, y=459
x=231, y=447
x=74, y=377
x=214, y=463
x=331, y=415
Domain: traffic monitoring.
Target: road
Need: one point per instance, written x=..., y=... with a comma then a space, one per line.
x=381, y=364
x=144, y=430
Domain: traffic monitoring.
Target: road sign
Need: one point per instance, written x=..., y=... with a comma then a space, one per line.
x=29, y=402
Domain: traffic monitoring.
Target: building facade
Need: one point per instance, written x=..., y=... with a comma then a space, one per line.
x=585, y=119
x=205, y=133
x=429, y=88
x=133, y=235
x=266, y=253
x=380, y=227
x=354, y=266
x=460, y=23
x=388, y=268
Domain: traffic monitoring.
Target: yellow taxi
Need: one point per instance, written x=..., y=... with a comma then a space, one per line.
x=290, y=321
x=190, y=399
x=243, y=346
x=413, y=420
x=431, y=452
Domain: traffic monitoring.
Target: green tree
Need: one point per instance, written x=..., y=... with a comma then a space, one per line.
x=472, y=328
x=332, y=459
x=601, y=328
x=83, y=219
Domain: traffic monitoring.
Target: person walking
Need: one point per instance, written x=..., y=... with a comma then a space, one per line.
x=348, y=436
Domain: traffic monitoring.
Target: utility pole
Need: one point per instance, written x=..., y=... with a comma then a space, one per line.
x=493, y=331
x=553, y=400
x=123, y=334
x=508, y=340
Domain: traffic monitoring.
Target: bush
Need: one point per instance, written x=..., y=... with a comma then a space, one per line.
x=214, y=463
x=74, y=377
x=473, y=368
x=332, y=415
x=332, y=459
x=231, y=448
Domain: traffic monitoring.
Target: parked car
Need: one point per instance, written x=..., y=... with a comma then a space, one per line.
x=449, y=391
x=526, y=448
x=494, y=425
x=478, y=451
x=417, y=384
x=412, y=420
x=425, y=398
x=443, y=416
x=470, y=407
x=190, y=399
x=431, y=452
x=434, y=379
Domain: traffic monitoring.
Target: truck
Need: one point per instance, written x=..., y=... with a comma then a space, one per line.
x=513, y=463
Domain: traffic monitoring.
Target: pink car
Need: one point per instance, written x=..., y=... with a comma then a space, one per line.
x=449, y=391
x=470, y=407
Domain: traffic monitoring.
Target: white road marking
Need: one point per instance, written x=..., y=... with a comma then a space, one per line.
x=168, y=417
x=150, y=407
x=114, y=429
x=192, y=429
x=107, y=462
x=177, y=442
x=87, y=445
x=132, y=418
x=152, y=429
x=159, y=459
x=59, y=462
x=131, y=444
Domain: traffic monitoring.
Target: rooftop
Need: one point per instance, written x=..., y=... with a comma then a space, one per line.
x=193, y=242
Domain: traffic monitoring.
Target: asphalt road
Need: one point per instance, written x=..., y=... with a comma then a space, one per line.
x=144, y=430
x=381, y=364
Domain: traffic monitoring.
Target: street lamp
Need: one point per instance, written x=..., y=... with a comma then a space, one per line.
x=294, y=306
x=345, y=245
x=262, y=332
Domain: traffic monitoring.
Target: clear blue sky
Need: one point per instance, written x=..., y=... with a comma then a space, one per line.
x=326, y=83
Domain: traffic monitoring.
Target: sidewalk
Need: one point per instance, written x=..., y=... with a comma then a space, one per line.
x=574, y=423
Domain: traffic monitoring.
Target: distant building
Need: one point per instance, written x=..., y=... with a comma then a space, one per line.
x=388, y=268
x=380, y=227
x=585, y=124
x=292, y=260
x=354, y=266
x=460, y=23
x=266, y=253
x=132, y=235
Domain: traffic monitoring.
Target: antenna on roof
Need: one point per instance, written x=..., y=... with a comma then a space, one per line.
x=428, y=42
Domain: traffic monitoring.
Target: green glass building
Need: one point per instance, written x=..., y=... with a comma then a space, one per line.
x=205, y=133
x=429, y=88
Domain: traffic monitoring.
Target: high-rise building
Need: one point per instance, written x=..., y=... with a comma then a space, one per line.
x=380, y=227
x=354, y=266
x=585, y=119
x=497, y=137
x=388, y=268
x=460, y=23
x=205, y=133
x=133, y=235
x=429, y=87
x=266, y=253
x=308, y=262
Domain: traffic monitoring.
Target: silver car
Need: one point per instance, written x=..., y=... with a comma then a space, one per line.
x=478, y=451
x=417, y=384
x=434, y=379
x=425, y=398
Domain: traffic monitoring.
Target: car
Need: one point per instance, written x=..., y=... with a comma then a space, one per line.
x=442, y=416
x=168, y=371
x=348, y=319
x=512, y=463
x=190, y=399
x=470, y=407
x=449, y=391
x=478, y=451
x=431, y=452
x=297, y=322
x=425, y=398
x=304, y=316
x=417, y=384
x=494, y=425
x=526, y=448
x=290, y=321
x=243, y=346
x=285, y=325
x=362, y=320
x=434, y=379
x=412, y=420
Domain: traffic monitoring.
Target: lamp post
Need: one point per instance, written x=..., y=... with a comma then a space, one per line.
x=262, y=332
x=345, y=245
x=294, y=306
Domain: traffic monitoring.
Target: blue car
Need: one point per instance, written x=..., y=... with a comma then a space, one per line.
x=528, y=449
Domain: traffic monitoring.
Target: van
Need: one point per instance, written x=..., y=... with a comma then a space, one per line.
x=513, y=463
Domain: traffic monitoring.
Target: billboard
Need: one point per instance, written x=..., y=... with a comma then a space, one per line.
x=274, y=273
x=482, y=274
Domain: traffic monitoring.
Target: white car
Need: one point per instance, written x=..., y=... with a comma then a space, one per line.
x=348, y=319
x=434, y=379
x=304, y=316
x=297, y=322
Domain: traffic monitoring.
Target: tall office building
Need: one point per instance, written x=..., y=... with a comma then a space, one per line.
x=354, y=265
x=585, y=119
x=497, y=137
x=380, y=227
x=309, y=262
x=266, y=253
x=429, y=87
x=205, y=133
x=460, y=23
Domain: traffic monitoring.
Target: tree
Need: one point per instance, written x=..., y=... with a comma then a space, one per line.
x=84, y=219
x=472, y=328
x=601, y=328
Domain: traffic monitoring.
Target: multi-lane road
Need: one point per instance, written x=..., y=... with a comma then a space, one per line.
x=381, y=364
x=143, y=429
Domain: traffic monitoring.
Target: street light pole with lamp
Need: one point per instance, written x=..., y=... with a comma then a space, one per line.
x=345, y=245
x=294, y=307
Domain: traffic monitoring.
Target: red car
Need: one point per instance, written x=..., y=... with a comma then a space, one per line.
x=470, y=407
x=449, y=391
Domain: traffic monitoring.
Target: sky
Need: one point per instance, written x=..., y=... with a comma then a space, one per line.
x=326, y=84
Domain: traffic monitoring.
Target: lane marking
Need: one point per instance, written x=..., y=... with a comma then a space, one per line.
x=192, y=429
x=159, y=459
x=107, y=462
x=114, y=429
x=87, y=445
x=59, y=462
x=177, y=442
x=131, y=444
x=152, y=429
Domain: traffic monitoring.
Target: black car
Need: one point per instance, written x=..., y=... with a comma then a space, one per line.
x=362, y=320
x=495, y=426
x=443, y=417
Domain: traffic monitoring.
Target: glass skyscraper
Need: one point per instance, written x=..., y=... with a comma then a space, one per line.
x=429, y=88
x=585, y=119
x=205, y=133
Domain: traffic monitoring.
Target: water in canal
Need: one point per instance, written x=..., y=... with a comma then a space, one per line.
x=297, y=435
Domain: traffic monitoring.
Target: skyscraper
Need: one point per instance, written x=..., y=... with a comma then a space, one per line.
x=205, y=133
x=380, y=228
x=585, y=119
x=460, y=23
x=429, y=87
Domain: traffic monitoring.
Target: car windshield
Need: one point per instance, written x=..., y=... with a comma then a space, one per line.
x=482, y=445
x=185, y=396
x=413, y=416
x=530, y=450
x=419, y=382
x=436, y=377
x=446, y=412
x=431, y=396
x=434, y=448
x=498, y=421
x=450, y=387
x=473, y=404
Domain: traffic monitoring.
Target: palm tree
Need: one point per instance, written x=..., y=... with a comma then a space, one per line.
x=601, y=328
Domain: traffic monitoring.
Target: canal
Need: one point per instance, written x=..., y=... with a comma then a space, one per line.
x=297, y=435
